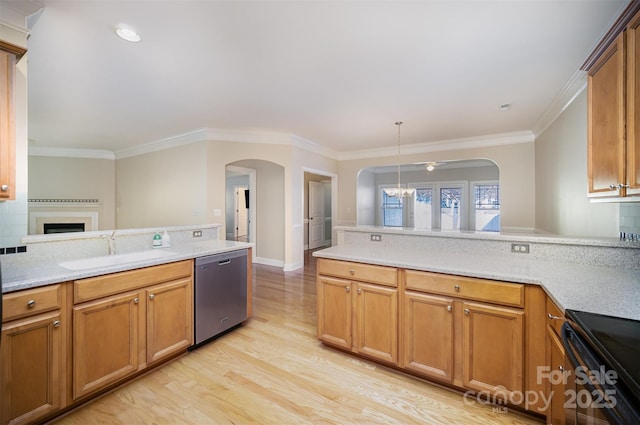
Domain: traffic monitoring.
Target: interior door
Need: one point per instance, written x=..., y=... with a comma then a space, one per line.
x=241, y=217
x=316, y=215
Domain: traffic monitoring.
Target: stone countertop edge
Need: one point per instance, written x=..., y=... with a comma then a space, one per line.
x=42, y=274
x=611, y=291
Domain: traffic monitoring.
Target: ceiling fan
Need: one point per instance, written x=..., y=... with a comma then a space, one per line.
x=432, y=165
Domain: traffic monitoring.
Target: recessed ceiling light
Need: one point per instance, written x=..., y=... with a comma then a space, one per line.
x=505, y=107
x=128, y=34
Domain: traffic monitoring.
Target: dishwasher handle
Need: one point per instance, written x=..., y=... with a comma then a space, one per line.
x=224, y=262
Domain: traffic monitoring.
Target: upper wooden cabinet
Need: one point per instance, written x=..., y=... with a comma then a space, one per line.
x=9, y=54
x=613, y=111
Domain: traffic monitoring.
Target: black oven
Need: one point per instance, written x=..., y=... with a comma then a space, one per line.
x=603, y=383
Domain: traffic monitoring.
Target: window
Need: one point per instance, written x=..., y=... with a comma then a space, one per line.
x=392, y=211
x=486, y=203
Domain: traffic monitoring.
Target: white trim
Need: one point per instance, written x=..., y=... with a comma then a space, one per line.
x=293, y=266
x=576, y=85
x=71, y=152
x=34, y=216
x=268, y=262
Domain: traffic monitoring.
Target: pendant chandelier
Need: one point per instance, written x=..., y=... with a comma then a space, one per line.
x=398, y=191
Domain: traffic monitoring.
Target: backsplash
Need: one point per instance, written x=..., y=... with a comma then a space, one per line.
x=630, y=218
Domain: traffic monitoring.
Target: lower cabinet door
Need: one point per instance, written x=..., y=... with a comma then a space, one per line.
x=428, y=335
x=493, y=345
x=105, y=342
x=556, y=413
x=377, y=323
x=169, y=318
x=32, y=368
x=334, y=311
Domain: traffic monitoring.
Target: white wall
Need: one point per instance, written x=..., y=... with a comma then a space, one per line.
x=562, y=206
x=366, y=201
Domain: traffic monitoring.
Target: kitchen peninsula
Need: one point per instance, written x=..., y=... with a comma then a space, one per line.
x=479, y=312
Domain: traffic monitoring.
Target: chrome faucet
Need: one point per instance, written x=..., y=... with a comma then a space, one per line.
x=111, y=240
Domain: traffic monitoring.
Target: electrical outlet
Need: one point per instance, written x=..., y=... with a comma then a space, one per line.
x=376, y=238
x=520, y=248
x=197, y=233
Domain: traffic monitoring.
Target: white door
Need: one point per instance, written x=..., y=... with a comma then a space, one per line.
x=316, y=215
x=241, y=221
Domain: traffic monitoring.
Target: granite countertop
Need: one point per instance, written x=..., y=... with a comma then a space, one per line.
x=28, y=276
x=613, y=291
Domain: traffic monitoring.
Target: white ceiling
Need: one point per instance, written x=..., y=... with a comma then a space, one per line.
x=335, y=73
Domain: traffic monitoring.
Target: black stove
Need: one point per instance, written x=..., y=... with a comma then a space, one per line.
x=616, y=342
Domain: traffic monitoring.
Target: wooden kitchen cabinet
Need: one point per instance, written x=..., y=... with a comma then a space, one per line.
x=169, y=314
x=33, y=354
x=358, y=308
x=9, y=54
x=492, y=346
x=123, y=322
x=614, y=114
x=427, y=329
x=556, y=366
x=449, y=336
x=106, y=335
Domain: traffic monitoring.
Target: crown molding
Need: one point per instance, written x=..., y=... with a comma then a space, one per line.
x=71, y=152
x=576, y=85
x=444, y=145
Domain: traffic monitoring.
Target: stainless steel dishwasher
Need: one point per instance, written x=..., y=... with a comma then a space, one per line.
x=220, y=293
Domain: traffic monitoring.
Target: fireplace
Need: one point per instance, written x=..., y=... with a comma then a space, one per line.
x=62, y=227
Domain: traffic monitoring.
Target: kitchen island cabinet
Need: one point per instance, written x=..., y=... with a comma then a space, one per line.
x=449, y=336
x=358, y=308
x=125, y=321
x=33, y=358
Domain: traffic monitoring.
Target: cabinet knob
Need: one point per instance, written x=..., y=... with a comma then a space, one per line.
x=136, y=300
x=561, y=368
x=151, y=296
x=56, y=324
x=352, y=272
x=31, y=303
x=359, y=291
x=457, y=288
x=448, y=308
x=5, y=187
x=466, y=311
x=347, y=288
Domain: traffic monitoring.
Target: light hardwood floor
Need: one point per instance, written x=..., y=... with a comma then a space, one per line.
x=273, y=370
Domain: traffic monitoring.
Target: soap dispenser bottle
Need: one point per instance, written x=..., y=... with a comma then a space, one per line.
x=157, y=240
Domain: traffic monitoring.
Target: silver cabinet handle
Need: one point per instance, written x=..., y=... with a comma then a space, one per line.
x=56, y=324
x=151, y=296
x=5, y=187
x=466, y=311
x=31, y=303
x=561, y=368
x=136, y=300
x=552, y=317
x=457, y=288
x=347, y=288
x=448, y=308
x=352, y=272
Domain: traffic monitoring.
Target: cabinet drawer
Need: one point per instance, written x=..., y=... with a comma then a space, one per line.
x=555, y=316
x=111, y=284
x=358, y=271
x=466, y=287
x=31, y=301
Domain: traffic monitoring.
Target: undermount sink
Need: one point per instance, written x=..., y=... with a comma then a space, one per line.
x=113, y=260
